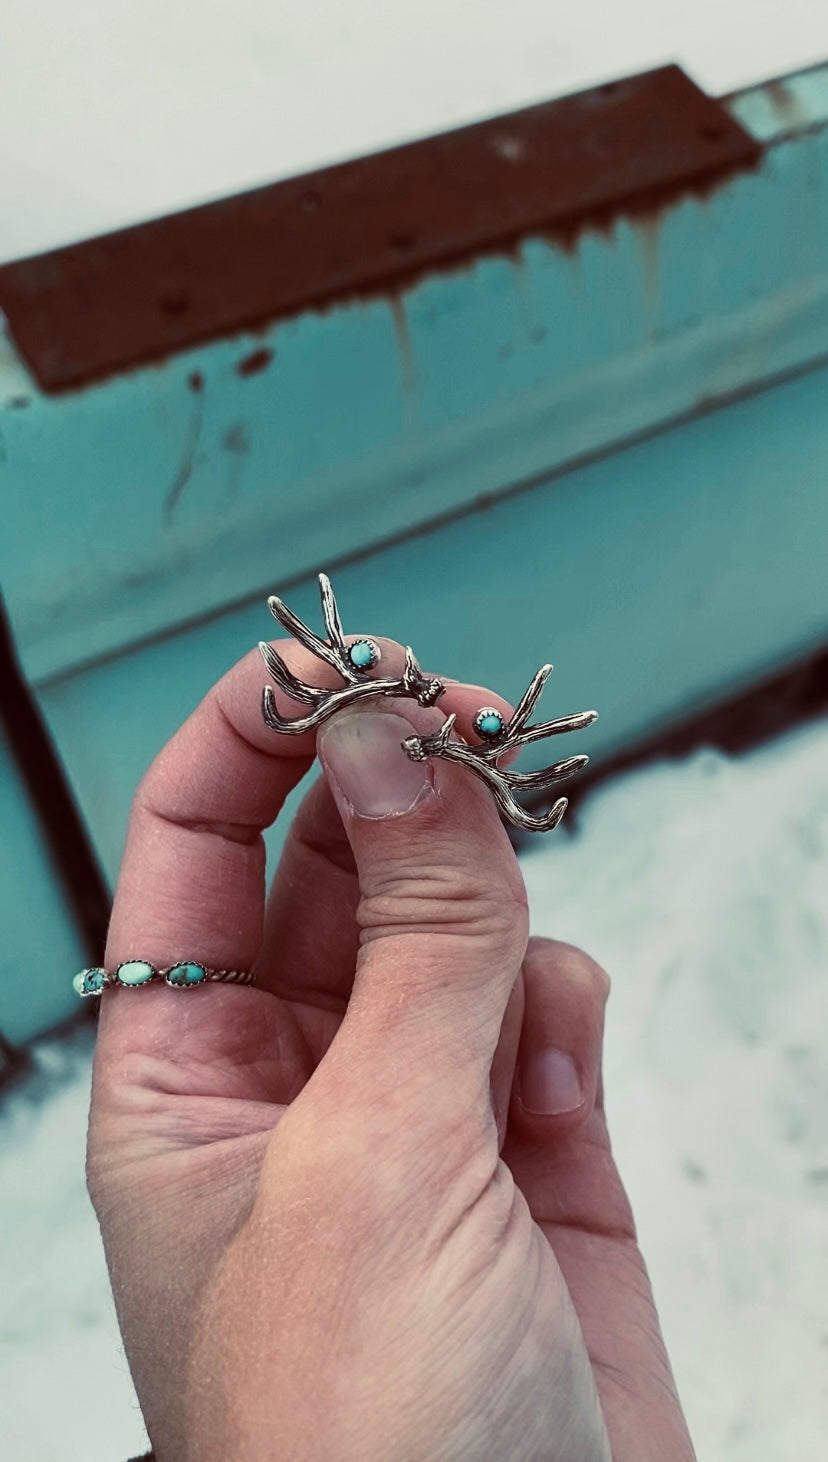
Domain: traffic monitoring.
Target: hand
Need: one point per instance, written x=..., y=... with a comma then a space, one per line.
x=333, y=1230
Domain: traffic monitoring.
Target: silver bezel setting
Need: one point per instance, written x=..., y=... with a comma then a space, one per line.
x=376, y=655
x=488, y=735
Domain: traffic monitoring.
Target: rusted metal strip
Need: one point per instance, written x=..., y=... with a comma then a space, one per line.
x=366, y=227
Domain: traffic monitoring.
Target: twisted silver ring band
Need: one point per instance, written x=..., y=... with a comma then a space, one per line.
x=132, y=973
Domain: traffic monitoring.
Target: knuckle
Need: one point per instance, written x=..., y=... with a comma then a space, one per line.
x=445, y=898
x=578, y=965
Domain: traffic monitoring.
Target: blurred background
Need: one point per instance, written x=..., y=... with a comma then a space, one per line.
x=514, y=319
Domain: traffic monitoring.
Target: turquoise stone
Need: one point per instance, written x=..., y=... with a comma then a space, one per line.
x=134, y=972
x=489, y=724
x=363, y=655
x=186, y=974
x=89, y=982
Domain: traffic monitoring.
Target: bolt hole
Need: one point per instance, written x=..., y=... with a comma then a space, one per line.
x=175, y=302
x=310, y=201
x=401, y=240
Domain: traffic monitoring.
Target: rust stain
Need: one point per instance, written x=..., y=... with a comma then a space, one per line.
x=405, y=349
x=786, y=104
x=527, y=325
x=236, y=441
x=185, y=469
x=252, y=364
x=647, y=234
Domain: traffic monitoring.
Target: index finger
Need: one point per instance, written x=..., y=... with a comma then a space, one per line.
x=192, y=879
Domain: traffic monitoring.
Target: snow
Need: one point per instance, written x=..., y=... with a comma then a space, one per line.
x=701, y=886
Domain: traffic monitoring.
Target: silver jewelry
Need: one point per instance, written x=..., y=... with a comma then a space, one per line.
x=354, y=664
x=500, y=737
x=132, y=973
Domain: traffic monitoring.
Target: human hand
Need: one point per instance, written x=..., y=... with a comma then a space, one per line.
x=333, y=1230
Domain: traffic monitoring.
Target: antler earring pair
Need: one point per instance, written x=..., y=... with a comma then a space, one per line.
x=356, y=662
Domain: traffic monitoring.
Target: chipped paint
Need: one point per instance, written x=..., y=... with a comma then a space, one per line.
x=252, y=364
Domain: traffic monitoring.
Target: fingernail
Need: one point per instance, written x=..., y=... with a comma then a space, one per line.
x=362, y=750
x=549, y=1084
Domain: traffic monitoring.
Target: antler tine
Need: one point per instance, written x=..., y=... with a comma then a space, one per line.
x=306, y=637
x=271, y=715
x=550, y=728
x=285, y=677
x=483, y=759
x=333, y=623
x=529, y=699
x=548, y=777
x=426, y=689
x=419, y=747
x=550, y=819
x=542, y=823
x=326, y=704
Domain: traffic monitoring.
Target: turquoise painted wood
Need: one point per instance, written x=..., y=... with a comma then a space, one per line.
x=41, y=948
x=142, y=504
x=614, y=457
x=656, y=579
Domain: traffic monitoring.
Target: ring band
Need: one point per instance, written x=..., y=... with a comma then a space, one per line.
x=132, y=973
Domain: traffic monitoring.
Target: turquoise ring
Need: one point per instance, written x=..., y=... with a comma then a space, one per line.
x=132, y=973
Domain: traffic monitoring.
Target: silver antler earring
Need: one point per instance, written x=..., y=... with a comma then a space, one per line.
x=502, y=737
x=354, y=663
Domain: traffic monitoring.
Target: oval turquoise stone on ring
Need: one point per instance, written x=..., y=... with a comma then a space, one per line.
x=186, y=974
x=364, y=654
x=488, y=723
x=134, y=972
x=89, y=982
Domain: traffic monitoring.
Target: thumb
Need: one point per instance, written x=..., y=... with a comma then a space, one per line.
x=443, y=911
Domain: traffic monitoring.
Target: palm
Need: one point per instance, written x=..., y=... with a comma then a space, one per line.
x=187, y=1129
x=203, y=1127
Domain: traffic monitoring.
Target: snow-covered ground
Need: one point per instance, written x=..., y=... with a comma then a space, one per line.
x=702, y=886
